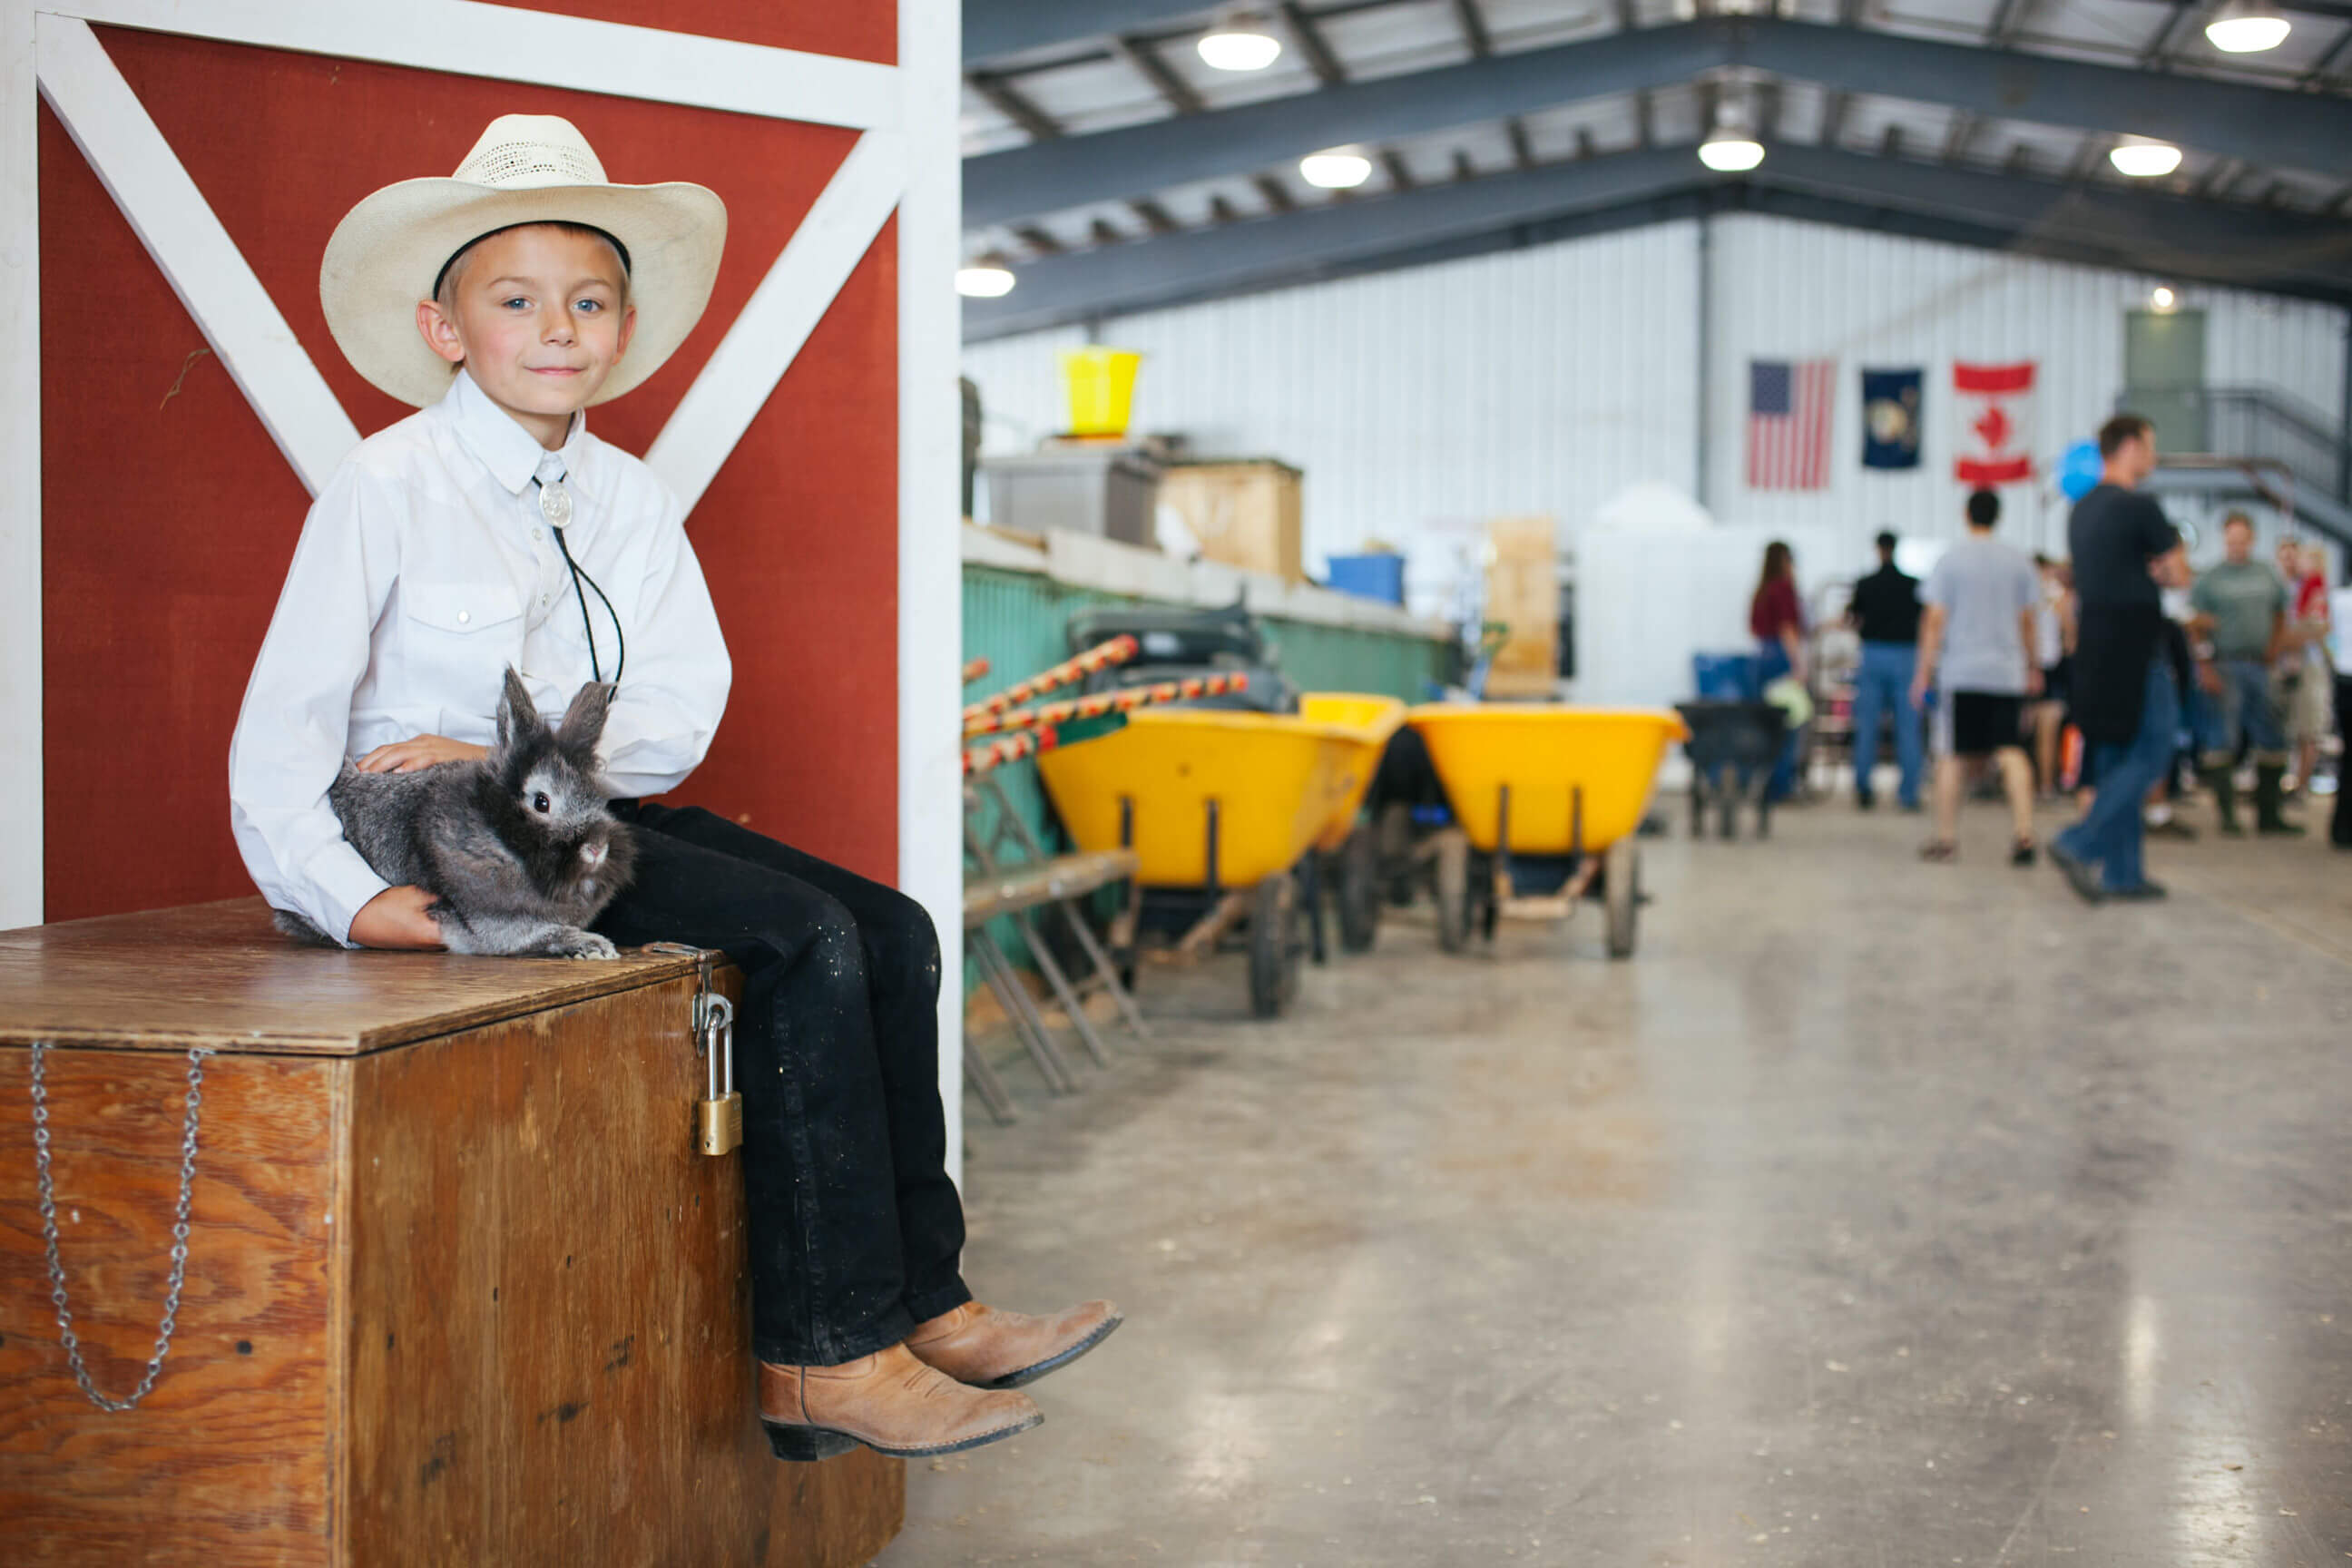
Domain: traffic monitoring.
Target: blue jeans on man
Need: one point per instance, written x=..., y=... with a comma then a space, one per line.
x=2109, y=834
x=2248, y=710
x=1882, y=686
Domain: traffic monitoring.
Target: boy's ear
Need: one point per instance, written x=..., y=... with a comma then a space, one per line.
x=440, y=333
x=628, y=330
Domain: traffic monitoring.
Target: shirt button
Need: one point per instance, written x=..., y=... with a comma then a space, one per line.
x=537, y=536
x=463, y=616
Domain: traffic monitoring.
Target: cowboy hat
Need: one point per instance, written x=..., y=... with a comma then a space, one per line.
x=388, y=252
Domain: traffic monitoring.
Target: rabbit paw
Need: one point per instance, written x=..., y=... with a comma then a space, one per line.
x=582, y=944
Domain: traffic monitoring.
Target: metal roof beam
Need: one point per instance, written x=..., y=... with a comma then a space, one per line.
x=2270, y=126
x=994, y=27
x=1135, y=160
x=2142, y=230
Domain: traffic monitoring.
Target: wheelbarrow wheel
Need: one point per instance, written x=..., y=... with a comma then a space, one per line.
x=1623, y=890
x=1452, y=889
x=1359, y=889
x=1274, y=949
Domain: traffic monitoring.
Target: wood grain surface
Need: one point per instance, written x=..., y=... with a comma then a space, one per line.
x=219, y=975
x=226, y=1462
x=550, y=1349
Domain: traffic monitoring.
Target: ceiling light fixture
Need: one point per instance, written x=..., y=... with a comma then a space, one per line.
x=1730, y=148
x=986, y=279
x=1336, y=168
x=2163, y=300
x=2247, y=27
x=2143, y=158
x=1240, y=42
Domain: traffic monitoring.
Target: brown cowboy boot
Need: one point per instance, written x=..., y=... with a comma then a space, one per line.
x=888, y=1401
x=988, y=1349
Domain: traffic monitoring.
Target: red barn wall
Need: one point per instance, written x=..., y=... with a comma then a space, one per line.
x=168, y=515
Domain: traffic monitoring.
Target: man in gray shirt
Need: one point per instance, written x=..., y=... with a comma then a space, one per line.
x=1976, y=650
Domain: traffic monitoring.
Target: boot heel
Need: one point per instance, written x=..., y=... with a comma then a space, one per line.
x=804, y=1444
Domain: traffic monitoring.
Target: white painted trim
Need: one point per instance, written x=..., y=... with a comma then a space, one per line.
x=21, y=801
x=507, y=43
x=197, y=257
x=777, y=320
x=930, y=577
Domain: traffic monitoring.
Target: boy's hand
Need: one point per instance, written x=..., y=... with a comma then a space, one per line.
x=421, y=752
x=396, y=918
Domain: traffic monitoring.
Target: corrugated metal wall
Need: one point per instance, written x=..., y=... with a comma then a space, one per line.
x=1423, y=402
x=1785, y=290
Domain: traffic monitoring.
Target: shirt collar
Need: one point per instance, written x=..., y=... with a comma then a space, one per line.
x=512, y=453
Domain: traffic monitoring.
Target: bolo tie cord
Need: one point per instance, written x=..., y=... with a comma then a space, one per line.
x=578, y=576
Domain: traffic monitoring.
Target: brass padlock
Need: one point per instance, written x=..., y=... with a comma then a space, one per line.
x=718, y=1116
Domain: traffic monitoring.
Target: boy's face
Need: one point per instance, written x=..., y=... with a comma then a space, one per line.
x=537, y=317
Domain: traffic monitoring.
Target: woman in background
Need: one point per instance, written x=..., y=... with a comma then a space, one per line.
x=2054, y=631
x=2306, y=677
x=1778, y=621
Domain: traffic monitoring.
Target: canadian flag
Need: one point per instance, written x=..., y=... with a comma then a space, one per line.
x=1996, y=413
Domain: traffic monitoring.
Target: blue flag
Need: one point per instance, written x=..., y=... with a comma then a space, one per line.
x=1890, y=418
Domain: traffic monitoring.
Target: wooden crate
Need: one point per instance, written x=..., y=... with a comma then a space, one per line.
x=458, y=1289
x=1523, y=592
x=1242, y=514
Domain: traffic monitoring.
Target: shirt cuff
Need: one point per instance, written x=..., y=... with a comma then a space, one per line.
x=344, y=883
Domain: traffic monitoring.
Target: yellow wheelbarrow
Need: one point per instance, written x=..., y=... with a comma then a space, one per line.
x=1544, y=799
x=1227, y=813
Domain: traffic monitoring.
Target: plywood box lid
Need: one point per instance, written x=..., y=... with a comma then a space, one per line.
x=1208, y=466
x=218, y=975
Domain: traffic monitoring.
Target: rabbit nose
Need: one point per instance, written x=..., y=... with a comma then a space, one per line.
x=592, y=853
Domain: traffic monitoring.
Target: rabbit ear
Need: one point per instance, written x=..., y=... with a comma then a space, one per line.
x=584, y=721
x=518, y=715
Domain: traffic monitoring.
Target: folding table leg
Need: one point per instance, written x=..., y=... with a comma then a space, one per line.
x=988, y=1086
x=1105, y=970
x=1023, y=1014
x=1063, y=992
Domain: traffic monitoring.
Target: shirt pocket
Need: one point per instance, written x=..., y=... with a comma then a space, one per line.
x=459, y=639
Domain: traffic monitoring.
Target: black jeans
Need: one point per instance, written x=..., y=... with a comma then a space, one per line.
x=856, y=1228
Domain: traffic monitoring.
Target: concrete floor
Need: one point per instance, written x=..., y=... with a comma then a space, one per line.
x=1875, y=1214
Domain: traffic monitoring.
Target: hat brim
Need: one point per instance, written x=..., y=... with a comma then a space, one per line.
x=385, y=256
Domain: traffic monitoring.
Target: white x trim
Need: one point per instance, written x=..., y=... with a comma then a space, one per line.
x=906, y=112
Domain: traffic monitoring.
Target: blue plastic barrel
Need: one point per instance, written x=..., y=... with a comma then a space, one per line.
x=1378, y=578
x=1724, y=677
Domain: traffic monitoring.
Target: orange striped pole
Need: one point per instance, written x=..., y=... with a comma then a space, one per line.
x=1119, y=650
x=974, y=671
x=1095, y=707
x=1011, y=749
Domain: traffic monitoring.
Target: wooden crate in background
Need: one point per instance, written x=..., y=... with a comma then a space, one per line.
x=1523, y=592
x=1243, y=514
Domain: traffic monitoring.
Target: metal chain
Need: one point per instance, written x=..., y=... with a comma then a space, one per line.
x=195, y=1100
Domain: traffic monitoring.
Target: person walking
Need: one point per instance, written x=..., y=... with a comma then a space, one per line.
x=2240, y=609
x=2123, y=548
x=1776, y=620
x=1979, y=636
x=2306, y=675
x=2053, y=622
x=1885, y=614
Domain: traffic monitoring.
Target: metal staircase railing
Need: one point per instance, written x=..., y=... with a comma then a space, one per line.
x=2256, y=424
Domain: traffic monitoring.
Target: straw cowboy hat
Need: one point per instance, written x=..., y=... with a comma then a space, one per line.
x=389, y=250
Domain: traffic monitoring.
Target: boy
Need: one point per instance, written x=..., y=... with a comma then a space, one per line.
x=1979, y=636
x=468, y=537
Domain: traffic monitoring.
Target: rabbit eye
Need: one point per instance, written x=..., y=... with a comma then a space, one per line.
x=539, y=803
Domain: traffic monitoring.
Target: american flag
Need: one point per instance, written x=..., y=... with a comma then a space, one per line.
x=1789, y=410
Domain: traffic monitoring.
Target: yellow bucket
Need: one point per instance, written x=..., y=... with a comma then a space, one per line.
x=1102, y=389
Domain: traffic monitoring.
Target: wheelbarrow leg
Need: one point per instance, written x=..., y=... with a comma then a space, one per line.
x=1310, y=889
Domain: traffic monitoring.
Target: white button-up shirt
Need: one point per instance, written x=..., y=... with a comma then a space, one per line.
x=424, y=570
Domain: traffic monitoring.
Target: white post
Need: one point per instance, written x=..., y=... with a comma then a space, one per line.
x=20, y=473
x=930, y=574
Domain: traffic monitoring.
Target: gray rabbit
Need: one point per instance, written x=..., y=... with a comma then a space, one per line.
x=518, y=847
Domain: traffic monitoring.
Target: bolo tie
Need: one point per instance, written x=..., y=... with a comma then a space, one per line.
x=555, y=506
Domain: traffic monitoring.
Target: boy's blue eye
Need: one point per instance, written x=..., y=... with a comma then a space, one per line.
x=515, y=303
x=591, y=306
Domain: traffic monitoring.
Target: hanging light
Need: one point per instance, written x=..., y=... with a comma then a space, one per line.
x=2246, y=27
x=1730, y=148
x=1240, y=42
x=1336, y=168
x=2143, y=158
x=986, y=279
